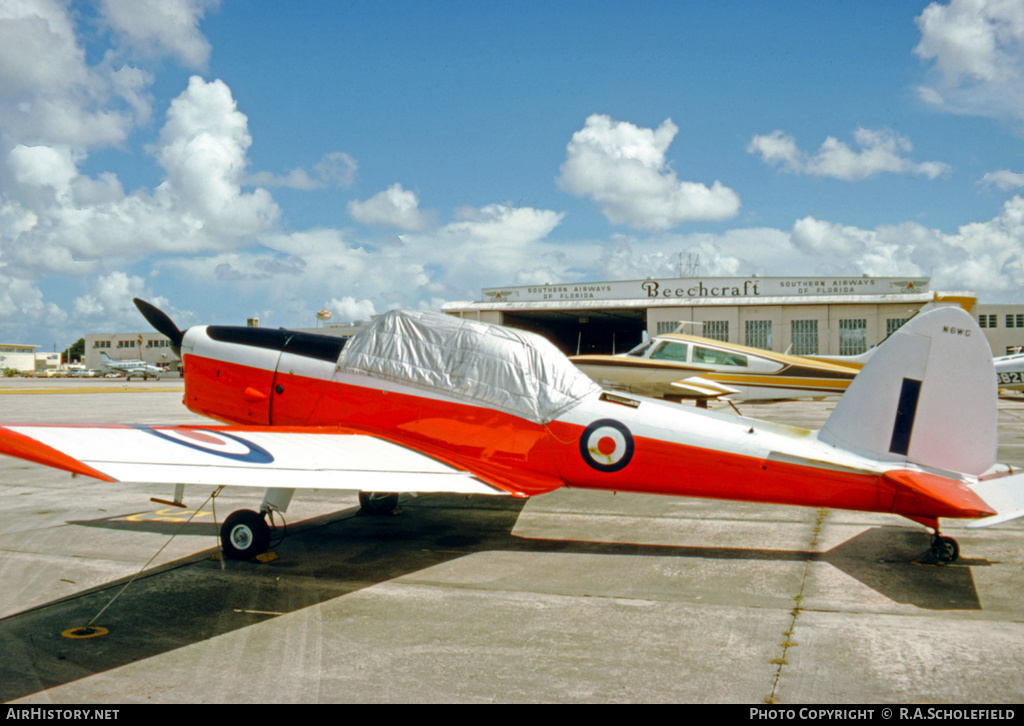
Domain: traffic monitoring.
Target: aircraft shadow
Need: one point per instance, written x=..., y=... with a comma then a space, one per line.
x=168, y=527
x=201, y=600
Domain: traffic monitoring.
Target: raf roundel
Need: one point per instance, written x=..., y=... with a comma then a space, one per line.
x=209, y=441
x=606, y=445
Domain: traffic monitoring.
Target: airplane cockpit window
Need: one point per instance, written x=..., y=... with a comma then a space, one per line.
x=641, y=349
x=670, y=351
x=718, y=357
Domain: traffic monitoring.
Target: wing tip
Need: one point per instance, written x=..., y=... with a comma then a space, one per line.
x=25, y=447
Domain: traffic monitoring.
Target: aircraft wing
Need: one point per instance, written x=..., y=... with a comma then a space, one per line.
x=247, y=456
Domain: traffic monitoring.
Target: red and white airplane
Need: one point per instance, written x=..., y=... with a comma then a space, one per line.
x=424, y=402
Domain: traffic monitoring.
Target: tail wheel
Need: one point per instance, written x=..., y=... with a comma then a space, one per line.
x=944, y=550
x=378, y=502
x=244, y=535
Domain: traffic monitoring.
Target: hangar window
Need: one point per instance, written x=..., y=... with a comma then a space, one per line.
x=987, y=321
x=716, y=330
x=805, y=337
x=894, y=324
x=1015, y=321
x=853, y=336
x=670, y=351
x=759, y=334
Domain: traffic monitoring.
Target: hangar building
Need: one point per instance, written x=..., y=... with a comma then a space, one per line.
x=803, y=315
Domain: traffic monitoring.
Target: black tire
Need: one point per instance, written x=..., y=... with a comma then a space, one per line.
x=944, y=550
x=244, y=535
x=378, y=502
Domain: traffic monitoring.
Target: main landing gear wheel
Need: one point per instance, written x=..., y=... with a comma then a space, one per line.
x=244, y=535
x=378, y=502
x=944, y=550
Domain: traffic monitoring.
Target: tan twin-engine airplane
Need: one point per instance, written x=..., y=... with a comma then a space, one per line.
x=424, y=402
x=677, y=366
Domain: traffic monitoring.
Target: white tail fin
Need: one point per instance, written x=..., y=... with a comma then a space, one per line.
x=927, y=396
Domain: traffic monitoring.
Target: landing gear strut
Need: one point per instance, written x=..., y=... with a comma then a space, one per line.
x=378, y=502
x=244, y=535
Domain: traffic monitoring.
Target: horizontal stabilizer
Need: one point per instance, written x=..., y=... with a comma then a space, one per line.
x=1005, y=495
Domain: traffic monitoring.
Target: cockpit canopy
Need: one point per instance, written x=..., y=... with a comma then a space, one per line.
x=489, y=365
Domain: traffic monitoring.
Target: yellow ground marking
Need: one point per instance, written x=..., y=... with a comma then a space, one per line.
x=167, y=515
x=84, y=389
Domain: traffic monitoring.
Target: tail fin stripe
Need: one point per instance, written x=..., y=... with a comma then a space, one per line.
x=906, y=412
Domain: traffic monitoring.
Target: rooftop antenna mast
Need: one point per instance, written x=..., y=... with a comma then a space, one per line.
x=692, y=268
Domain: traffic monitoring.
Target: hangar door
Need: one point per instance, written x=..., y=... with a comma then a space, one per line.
x=585, y=331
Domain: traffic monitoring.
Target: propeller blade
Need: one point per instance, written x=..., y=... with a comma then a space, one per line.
x=159, y=320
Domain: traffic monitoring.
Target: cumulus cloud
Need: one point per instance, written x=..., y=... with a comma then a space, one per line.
x=49, y=94
x=55, y=108
x=623, y=168
x=628, y=257
x=393, y=207
x=44, y=166
x=203, y=150
x=38, y=48
x=977, y=51
x=292, y=271
x=1003, y=179
x=500, y=225
x=880, y=151
x=22, y=302
x=336, y=169
x=108, y=305
x=984, y=257
x=817, y=237
x=59, y=218
x=348, y=309
x=111, y=296
x=162, y=27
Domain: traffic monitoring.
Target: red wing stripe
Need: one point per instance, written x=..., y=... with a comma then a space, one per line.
x=25, y=447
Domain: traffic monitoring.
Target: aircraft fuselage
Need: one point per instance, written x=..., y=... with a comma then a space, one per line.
x=609, y=442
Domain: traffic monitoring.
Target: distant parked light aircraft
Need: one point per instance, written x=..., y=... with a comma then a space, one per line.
x=1010, y=371
x=132, y=368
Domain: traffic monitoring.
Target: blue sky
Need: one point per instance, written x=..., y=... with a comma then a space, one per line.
x=226, y=159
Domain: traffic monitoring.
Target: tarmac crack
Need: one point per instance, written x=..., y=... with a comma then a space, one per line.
x=787, y=639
